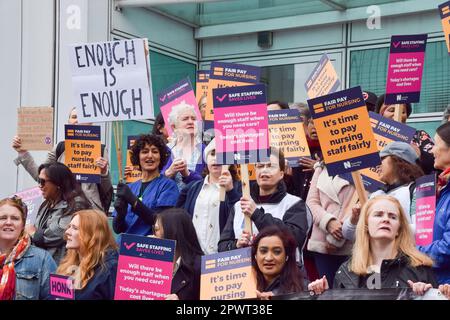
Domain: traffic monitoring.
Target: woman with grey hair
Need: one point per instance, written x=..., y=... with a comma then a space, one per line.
x=186, y=162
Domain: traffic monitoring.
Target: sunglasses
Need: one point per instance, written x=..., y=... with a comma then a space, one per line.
x=42, y=182
x=19, y=202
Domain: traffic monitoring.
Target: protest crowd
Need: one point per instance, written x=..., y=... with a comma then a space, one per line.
x=341, y=202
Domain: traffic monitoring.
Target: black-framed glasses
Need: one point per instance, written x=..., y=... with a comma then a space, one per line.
x=19, y=201
x=42, y=182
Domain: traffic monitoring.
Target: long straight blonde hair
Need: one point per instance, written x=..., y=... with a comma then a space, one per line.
x=96, y=239
x=404, y=243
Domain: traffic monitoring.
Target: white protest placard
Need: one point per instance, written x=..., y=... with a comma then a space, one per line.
x=111, y=80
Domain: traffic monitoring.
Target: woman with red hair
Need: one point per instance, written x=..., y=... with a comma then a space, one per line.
x=91, y=257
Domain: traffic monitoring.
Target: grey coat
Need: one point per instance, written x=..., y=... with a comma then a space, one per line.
x=51, y=223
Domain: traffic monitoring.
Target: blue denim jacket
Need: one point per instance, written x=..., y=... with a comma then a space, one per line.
x=32, y=274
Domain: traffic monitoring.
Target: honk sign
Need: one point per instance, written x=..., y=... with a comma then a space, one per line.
x=345, y=134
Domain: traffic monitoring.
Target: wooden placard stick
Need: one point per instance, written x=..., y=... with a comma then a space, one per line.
x=222, y=191
x=246, y=193
x=398, y=112
x=118, y=136
x=359, y=185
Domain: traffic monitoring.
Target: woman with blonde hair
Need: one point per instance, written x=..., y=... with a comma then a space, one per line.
x=91, y=256
x=384, y=254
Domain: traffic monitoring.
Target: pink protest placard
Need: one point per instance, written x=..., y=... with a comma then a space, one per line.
x=145, y=268
x=404, y=76
x=61, y=287
x=180, y=95
x=33, y=199
x=241, y=124
x=425, y=209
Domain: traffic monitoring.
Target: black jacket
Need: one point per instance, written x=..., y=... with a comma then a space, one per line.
x=189, y=194
x=186, y=282
x=395, y=273
x=295, y=218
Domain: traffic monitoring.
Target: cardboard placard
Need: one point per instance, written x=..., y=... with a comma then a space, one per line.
x=145, y=268
x=425, y=209
x=82, y=148
x=345, y=135
x=323, y=79
x=202, y=84
x=111, y=80
x=33, y=199
x=241, y=124
x=179, y=93
x=224, y=74
x=228, y=276
x=404, y=76
x=385, y=131
x=444, y=10
x=61, y=287
x=251, y=171
x=136, y=174
x=35, y=127
x=287, y=134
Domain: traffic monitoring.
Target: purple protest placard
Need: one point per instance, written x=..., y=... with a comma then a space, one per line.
x=61, y=287
x=145, y=268
x=241, y=124
x=178, y=95
x=404, y=76
x=425, y=209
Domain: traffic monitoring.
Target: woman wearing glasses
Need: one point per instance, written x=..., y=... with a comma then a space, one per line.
x=24, y=269
x=63, y=197
x=269, y=204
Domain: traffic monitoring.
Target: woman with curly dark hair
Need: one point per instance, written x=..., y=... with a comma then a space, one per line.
x=273, y=259
x=137, y=203
x=399, y=170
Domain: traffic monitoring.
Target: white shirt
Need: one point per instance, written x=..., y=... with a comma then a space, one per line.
x=206, y=217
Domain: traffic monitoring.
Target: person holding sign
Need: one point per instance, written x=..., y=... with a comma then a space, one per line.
x=91, y=257
x=439, y=249
x=24, y=268
x=63, y=196
x=159, y=128
x=384, y=254
x=268, y=205
x=422, y=141
x=185, y=164
x=201, y=200
x=328, y=197
x=176, y=224
x=99, y=195
x=399, y=171
x=273, y=259
x=136, y=204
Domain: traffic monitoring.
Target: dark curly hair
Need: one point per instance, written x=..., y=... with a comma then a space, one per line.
x=151, y=140
x=406, y=172
x=290, y=277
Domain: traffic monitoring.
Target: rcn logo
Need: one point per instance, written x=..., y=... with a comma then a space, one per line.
x=78, y=177
x=399, y=97
x=347, y=165
x=237, y=156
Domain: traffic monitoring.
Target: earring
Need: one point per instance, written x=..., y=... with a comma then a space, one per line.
x=287, y=258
